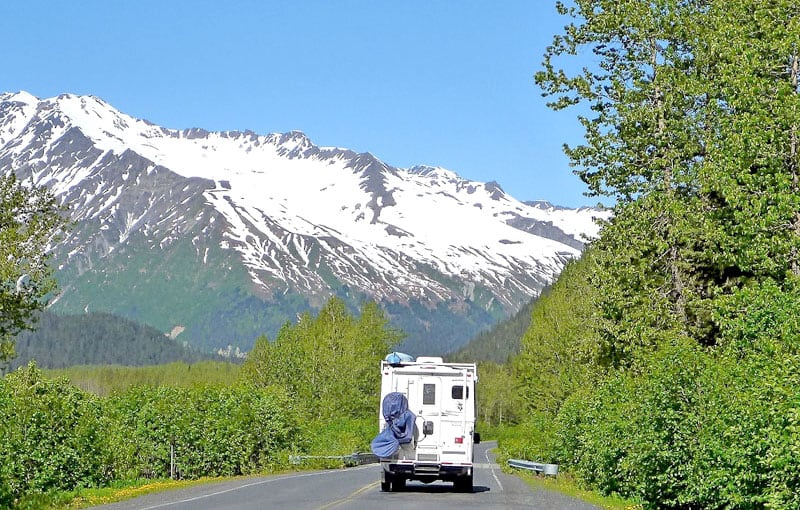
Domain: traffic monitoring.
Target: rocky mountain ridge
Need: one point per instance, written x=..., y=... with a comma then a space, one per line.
x=230, y=234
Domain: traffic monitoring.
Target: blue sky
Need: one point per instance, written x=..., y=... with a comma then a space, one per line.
x=442, y=83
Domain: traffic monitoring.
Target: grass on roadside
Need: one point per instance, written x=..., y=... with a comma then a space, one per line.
x=129, y=489
x=120, y=491
x=566, y=484
x=123, y=490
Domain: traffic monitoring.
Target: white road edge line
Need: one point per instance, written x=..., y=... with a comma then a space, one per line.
x=261, y=482
x=492, y=469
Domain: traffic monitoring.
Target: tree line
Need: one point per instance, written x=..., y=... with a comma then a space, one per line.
x=97, y=338
x=55, y=437
x=312, y=390
x=663, y=366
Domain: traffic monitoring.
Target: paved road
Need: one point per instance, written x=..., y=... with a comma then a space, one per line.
x=358, y=489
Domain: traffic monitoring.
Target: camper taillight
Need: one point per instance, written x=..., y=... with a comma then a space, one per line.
x=460, y=440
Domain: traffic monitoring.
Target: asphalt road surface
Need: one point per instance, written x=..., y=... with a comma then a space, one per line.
x=358, y=488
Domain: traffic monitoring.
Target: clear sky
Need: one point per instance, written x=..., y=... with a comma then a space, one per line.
x=442, y=83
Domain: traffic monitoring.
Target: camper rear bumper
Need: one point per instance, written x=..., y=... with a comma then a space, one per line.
x=427, y=470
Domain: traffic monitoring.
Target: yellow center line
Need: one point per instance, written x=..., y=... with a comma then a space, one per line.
x=350, y=497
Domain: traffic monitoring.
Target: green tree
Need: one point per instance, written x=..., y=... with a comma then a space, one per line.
x=640, y=133
x=559, y=352
x=751, y=174
x=643, y=144
x=30, y=223
x=497, y=394
x=329, y=362
x=691, y=127
x=691, y=114
x=52, y=436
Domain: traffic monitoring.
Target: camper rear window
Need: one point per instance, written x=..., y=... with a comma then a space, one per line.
x=428, y=394
x=458, y=392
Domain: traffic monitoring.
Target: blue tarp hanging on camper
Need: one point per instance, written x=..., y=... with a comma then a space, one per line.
x=399, y=425
x=385, y=444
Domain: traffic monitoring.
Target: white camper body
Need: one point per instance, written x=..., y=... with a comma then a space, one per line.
x=442, y=396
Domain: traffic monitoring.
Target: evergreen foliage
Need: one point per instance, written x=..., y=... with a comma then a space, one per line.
x=499, y=343
x=98, y=339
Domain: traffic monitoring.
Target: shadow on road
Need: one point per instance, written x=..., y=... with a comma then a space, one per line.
x=440, y=488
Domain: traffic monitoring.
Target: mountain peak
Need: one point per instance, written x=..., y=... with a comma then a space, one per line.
x=495, y=190
x=434, y=171
x=294, y=141
x=21, y=97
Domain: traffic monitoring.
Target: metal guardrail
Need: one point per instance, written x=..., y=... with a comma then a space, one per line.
x=354, y=459
x=547, y=469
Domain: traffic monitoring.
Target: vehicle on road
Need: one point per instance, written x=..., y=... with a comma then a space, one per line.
x=442, y=396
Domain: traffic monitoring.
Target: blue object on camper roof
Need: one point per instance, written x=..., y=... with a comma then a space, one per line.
x=395, y=358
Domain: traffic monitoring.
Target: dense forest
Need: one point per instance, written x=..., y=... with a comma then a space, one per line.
x=97, y=339
x=664, y=365
x=500, y=342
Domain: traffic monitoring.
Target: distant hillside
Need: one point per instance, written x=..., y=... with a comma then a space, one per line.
x=98, y=339
x=500, y=342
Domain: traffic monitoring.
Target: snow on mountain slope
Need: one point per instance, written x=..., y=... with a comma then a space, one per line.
x=293, y=212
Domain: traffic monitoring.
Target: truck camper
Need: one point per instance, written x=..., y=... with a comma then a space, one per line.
x=441, y=397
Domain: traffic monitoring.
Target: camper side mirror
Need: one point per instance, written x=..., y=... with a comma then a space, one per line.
x=476, y=437
x=427, y=428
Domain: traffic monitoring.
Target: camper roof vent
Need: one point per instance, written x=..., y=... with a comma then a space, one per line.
x=430, y=359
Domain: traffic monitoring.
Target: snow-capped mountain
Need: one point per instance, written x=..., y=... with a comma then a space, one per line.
x=222, y=236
